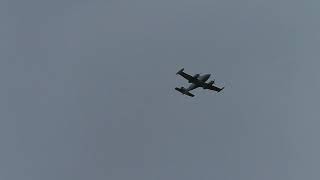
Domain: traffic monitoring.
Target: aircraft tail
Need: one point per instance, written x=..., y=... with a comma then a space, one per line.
x=183, y=91
x=180, y=71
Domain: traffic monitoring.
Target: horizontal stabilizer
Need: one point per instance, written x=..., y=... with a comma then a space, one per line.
x=180, y=71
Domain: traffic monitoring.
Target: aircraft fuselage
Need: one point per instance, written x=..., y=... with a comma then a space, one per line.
x=195, y=84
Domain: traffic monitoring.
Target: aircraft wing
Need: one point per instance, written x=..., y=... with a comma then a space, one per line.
x=186, y=76
x=214, y=88
x=183, y=91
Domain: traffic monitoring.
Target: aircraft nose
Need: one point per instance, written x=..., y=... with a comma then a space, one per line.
x=208, y=75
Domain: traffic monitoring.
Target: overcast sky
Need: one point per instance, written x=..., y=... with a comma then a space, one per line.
x=87, y=90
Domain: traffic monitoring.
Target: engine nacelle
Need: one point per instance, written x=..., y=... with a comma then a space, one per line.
x=196, y=75
x=211, y=83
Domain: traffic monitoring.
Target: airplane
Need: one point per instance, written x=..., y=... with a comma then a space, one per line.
x=196, y=81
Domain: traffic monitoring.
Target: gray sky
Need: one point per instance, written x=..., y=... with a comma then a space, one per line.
x=87, y=90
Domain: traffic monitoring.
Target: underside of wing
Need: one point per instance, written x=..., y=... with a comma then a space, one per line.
x=183, y=91
x=189, y=94
x=214, y=88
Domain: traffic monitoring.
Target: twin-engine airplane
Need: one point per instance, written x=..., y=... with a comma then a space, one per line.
x=196, y=81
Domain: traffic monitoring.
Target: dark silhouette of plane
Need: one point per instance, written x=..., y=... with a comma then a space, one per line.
x=196, y=81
